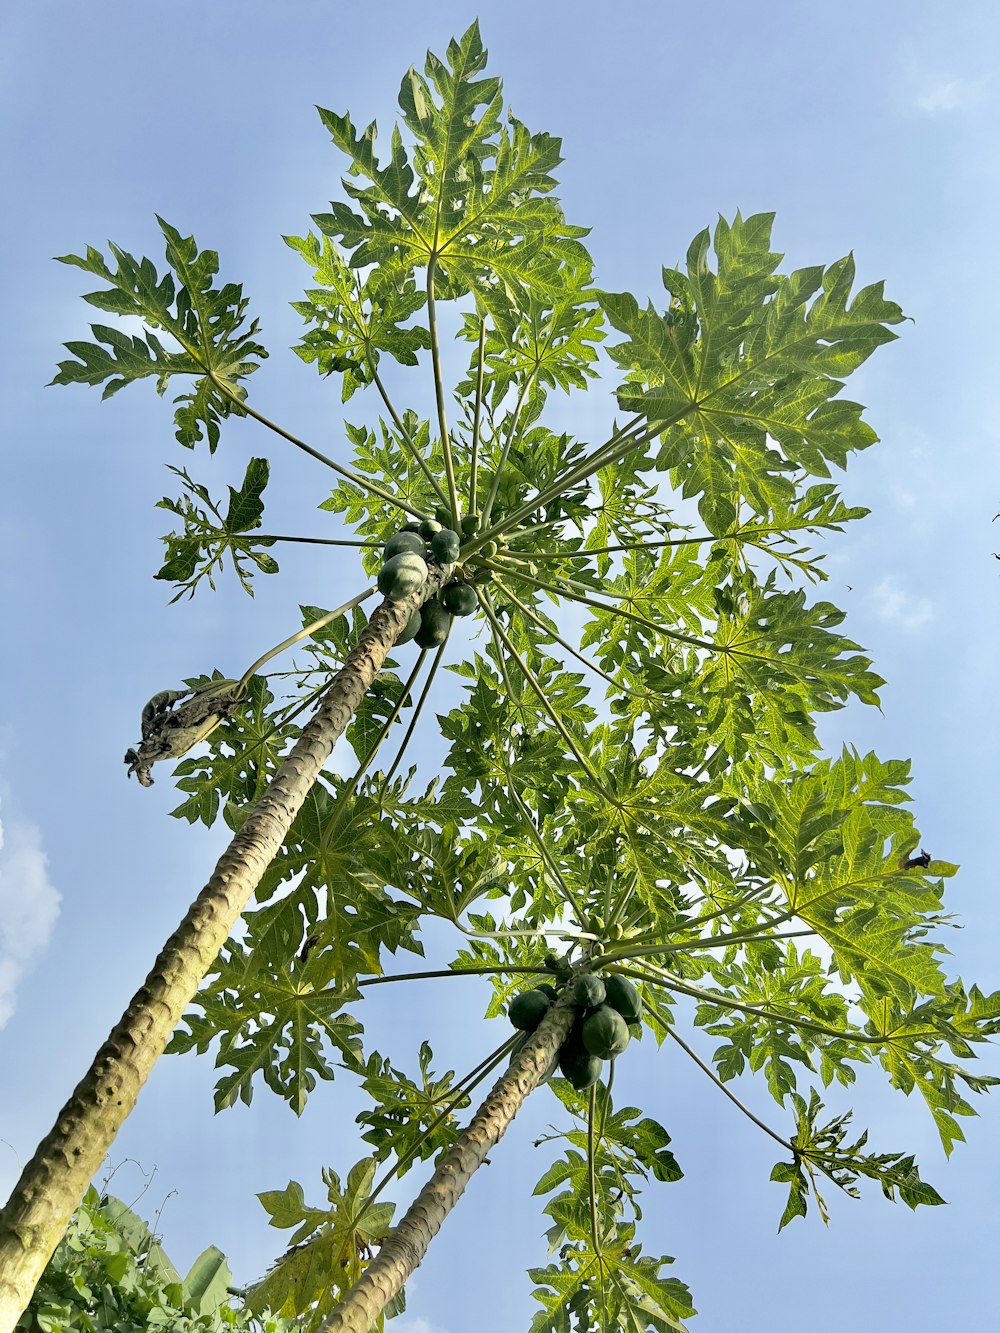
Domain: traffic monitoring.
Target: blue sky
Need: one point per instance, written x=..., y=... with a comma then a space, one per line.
x=865, y=127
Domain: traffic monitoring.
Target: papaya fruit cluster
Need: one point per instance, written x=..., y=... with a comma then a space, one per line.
x=405, y=559
x=605, y=1007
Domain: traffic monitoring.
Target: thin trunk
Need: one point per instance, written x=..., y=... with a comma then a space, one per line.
x=407, y=1243
x=52, y=1184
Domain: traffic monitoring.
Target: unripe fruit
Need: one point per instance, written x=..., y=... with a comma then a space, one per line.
x=460, y=599
x=528, y=1009
x=579, y=1066
x=403, y=541
x=435, y=622
x=401, y=575
x=588, y=991
x=605, y=1033
x=624, y=997
x=445, y=546
x=409, y=630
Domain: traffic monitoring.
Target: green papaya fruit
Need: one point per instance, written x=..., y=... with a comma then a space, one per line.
x=403, y=541
x=445, y=546
x=528, y=1009
x=578, y=1065
x=588, y=991
x=429, y=527
x=623, y=997
x=409, y=630
x=401, y=575
x=460, y=599
x=605, y=1033
x=435, y=622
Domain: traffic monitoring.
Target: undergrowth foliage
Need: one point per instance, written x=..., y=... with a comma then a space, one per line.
x=643, y=797
x=111, y=1272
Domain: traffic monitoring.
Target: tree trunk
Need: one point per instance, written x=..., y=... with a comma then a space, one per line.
x=407, y=1243
x=38, y=1211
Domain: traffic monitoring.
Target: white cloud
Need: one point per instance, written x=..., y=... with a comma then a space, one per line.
x=897, y=606
x=414, y=1326
x=949, y=95
x=29, y=906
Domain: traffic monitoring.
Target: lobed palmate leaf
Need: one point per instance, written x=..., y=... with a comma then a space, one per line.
x=204, y=321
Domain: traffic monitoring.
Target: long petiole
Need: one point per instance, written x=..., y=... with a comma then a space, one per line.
x=347, y=472
x=304, y=634
x=586, y=553
x=445, y=972
x=404, y=435
x=512, y=435
x=539, y=693
x=449, y=464
x=534, y=527
x=731, y=907
x=551, y=492
x=413, y=720
x=629, y=437
x=461, y=1092
x=293, y=711
x=546, y=856
x=814, y=1159
x=711, y=942
x=397, y=708
x=592, y=666
x=569, y=932
x=661, y=977
x=310, y=541
x=722, y=1088
x=498, y=649
x=474, y=463
x=569, y=591
x=502, y=971
x=591, y=1175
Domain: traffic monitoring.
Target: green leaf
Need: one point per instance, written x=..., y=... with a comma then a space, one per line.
x=204, y=321
x=824, y=1149
x=353, y=321
x=208, y=1280
x=398, y=1125
x=745, y=367
x=109, y=1273
x=201, y=548
x=474, y=200
x=330, y=1247
x=244, y=752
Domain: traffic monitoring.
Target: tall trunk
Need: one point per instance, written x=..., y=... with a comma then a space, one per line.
x=407, y=1243
x=40, y=1206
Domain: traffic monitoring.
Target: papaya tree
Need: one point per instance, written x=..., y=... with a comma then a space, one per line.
x=634, y=832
